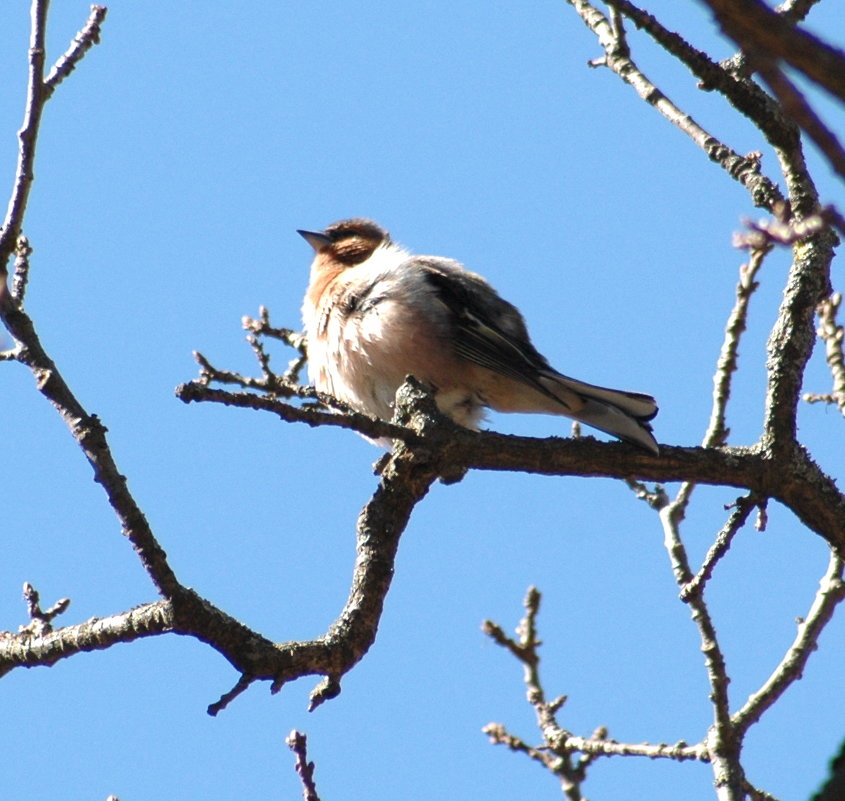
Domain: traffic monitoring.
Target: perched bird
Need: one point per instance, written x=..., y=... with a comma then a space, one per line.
x=374, y=314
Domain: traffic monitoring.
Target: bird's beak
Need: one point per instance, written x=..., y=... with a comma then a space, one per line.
x=317, y=239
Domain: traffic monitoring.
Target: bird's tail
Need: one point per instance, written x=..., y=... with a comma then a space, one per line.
x=622, y=414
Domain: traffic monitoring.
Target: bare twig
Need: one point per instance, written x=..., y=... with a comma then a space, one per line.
x=832, y=334
x=241, y=686
x=717, y=431
x=298, y=743
x=295, y=339
x=785, y=230
x=747, y=171
x=742, y=508
x=27, y=136
x=87, y=37
x=722, y=747
x=569, y=770
x=41, y=622
x=196, y=391
x=560, y=747
x=680, y=751
x=830, y=593
x=38, y=92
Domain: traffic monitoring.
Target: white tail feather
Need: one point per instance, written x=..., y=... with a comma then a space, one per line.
x=622, y=414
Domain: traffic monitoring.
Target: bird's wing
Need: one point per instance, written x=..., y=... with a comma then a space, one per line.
x=490, y=332
x=487, y=330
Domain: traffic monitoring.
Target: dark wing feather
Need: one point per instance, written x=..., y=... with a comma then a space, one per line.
x=480, y=318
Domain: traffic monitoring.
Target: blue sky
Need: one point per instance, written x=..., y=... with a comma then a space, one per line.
x=174, y=167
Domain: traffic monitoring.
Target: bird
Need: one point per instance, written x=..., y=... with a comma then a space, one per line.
x=374, y=313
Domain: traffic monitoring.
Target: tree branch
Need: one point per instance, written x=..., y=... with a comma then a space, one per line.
x=27, y=136
x=37, y=94
x=405, y=480
x=743, y=169
x=832, y=334
x=831, y=592
x=723, y=747
x=298, y=743
x=87, y=37
x=763, y=33
x=557, y=754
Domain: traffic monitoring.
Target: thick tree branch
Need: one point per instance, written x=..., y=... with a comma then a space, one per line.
x=811, y=495
x=90, y=435
x=405, y=480
x=45, y=649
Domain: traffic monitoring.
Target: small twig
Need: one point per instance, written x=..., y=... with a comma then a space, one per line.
x=745, y=96
x=38, y=92
x=84, y=40
x=757, y=795
x=197, y=392
x=717, y=431
x=261, y=355
x=722, y=747
x=295, y=339
x=240, y=687
x=27, y=135
x=560, y=746
x=273, y=385
x=679, y=751
x=742, y=509
x=41, y=622
x=656, y=498
x=499, y=735
x=830, y=593
x=571, y=772
x=783, y=230
x=298, y=743
x=832, y=334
